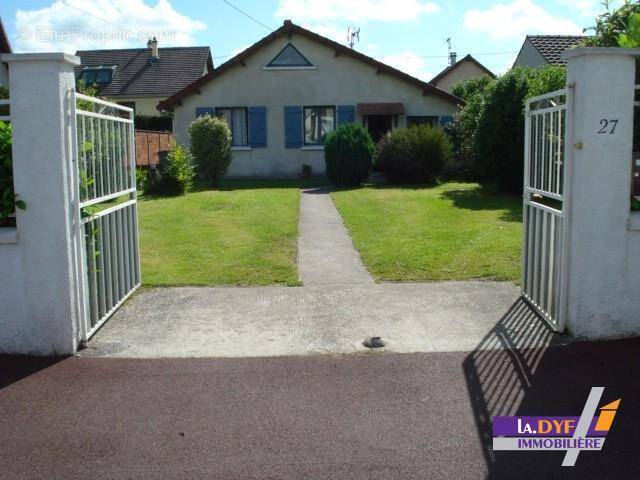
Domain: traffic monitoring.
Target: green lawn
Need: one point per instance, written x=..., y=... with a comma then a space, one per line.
x=452, y=231
x=244, y=233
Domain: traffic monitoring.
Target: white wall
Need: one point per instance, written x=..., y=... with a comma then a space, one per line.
x=604, y=236
x=529, y=56
x=144, y=105
x=465, y=70
x=338, y=80
x=38, y=298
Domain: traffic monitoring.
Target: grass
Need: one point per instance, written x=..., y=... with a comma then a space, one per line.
x=453, y=231
x=245, y=233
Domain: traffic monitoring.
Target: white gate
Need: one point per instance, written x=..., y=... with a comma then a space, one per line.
x=107, y=231
x=545, y=205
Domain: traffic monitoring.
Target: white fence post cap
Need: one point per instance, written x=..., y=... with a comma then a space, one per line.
x=40, y=57
x=582, y=51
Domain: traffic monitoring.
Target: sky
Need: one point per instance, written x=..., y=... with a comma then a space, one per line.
x=407, y=34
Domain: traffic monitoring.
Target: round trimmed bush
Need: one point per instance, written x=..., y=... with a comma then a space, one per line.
x=210, y=139
x=348, y=153
x=414, y=155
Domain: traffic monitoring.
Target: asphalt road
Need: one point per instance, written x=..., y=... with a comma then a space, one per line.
x=376, y=416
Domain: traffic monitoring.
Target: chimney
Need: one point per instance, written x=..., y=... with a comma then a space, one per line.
x=153, y=45
x=453, y=56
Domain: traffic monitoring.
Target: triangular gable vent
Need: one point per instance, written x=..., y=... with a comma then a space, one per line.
x=289, y=56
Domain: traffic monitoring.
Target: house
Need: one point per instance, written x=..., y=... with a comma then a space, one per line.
x=283, y=94
x=539, y=50
x=5, y=47
x=141, y=77
x=459, y=71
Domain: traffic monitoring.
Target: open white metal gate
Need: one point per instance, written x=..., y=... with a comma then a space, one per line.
x=107, y=217
x=545, y=205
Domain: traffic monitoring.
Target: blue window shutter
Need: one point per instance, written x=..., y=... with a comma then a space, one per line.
x=293, y=127
x=346, y=114
x=202, y=111
x=446, y=119
x=258, y=127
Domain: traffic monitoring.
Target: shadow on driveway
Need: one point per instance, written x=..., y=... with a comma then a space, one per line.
x=555, y=381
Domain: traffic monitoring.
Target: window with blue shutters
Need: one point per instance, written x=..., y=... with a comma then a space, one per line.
x=346, y=114
x=293, y=127
x=202, y=111
x=258, y=127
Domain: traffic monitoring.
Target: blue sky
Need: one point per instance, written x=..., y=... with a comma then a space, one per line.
x=409, y=34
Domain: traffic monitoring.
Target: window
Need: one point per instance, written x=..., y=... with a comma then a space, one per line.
x=236, y=118
x=101, y=76
x=422, y=120
x=289, y=56
x=318, y=122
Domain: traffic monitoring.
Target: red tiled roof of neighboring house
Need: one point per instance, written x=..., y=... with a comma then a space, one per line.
x=289, y=28
x=137, y=75
x=450, y=68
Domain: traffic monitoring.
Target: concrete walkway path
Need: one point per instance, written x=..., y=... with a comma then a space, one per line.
x=326, y=255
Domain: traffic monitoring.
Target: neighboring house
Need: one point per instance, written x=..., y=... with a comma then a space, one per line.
x=459, y=71
x=142, y=77
x=282, y=95
x=5, y=47
x=539, y=50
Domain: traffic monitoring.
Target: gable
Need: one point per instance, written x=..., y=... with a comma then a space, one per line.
x=289, y=57
x=290, y=30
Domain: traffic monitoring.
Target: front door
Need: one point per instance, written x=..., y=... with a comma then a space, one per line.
x=378, y=125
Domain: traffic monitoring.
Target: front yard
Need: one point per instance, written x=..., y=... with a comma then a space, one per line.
x=453, y=231
x=244, y=233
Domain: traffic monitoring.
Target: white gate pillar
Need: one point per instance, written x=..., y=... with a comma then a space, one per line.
x=41, y=86
x=603, y=249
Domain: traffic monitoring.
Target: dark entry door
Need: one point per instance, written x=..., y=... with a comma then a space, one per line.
x=378, y=125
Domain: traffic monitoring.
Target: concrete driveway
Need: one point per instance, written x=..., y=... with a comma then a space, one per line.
x=320, y=319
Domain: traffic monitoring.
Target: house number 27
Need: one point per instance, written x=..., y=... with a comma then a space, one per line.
x=608, y=126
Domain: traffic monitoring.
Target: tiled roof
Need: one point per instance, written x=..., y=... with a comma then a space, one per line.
x=552, y=46
x=5, y=46
x=137, y=75
x=288, y=28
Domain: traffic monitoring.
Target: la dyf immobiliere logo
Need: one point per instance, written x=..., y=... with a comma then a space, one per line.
x=573, y=434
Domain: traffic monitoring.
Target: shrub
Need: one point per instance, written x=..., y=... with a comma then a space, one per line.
x=348, y=153
x=141, y=178
x=210, y=139
x=156, y=123
x=462, y=130
x=174, y=175
x=498, y=140
x=8, y=202
x=614, y=28
x=414, y=155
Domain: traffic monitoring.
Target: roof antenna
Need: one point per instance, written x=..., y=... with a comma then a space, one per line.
x=452, y=56
x=353, y=36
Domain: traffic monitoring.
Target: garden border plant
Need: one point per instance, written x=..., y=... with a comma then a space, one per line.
x=348, y=155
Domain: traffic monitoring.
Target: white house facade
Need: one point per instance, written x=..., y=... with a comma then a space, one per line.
x=282, y=95
x=458, y=71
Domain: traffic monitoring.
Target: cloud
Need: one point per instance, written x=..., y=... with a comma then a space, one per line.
x=70, y=25
x=409, y=62
x=354, y=10
x=518, y=18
